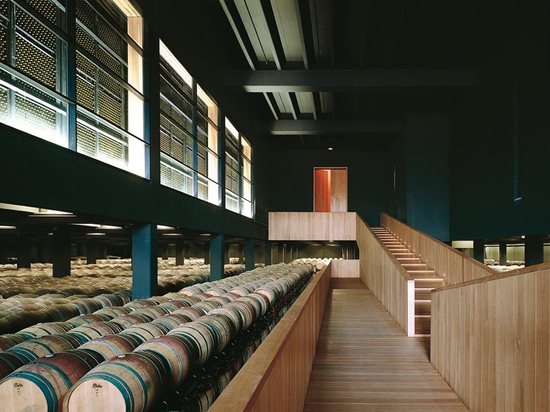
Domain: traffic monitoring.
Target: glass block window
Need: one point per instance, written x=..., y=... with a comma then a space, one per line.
x=109, y=81
x=188, y=131
x=33, y=56
x=238, y=171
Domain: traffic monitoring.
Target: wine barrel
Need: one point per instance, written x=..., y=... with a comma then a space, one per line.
x=45, y=345
x=176, y=352
x=94, y=330
x=147, y=330
x=43, y=329
x=128, y=383
x=113, y=345
x=200, y=340
x=41, y=384
x=10, y=339
x=9, y=362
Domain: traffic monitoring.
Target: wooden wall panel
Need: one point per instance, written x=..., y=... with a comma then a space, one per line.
x=345, y=268
x=338, y=190
x=385, y=277
x=490, y=340
x=312, y=226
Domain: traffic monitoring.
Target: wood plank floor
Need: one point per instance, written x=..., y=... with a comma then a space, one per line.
x=365, y=362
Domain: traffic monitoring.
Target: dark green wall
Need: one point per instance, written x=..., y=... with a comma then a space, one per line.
x=513, y=102
x=427, y=176
x=369, y=180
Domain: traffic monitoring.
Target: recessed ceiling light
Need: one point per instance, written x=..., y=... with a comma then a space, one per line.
x=330, y=149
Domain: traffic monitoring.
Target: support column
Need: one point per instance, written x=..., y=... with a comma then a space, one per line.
x=479, y=250
x=180, y=252
x=206, y=253
x=217, y=256
x=241, y=253
x=61, y=258
x=92, y=251
x=144, y=261
x=534, y=250
x=268, y=248
x=23, y=251
x=249, y=254
x=280, y=252
x=502, y=258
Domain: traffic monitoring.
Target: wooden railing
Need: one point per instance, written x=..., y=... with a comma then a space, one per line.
x=276, y=376
x=454, y=266
x=490, y=340
x=386, y=277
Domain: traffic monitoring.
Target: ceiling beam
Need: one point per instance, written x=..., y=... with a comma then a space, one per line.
x=328, y=127
x=346, y=80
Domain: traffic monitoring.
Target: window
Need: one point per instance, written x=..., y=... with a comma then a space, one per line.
x=37, y=76
x=189, y=151
x=109, y=77
x=33, y=56
x=238, y=171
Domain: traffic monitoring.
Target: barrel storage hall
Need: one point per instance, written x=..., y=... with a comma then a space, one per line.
x=175, y=351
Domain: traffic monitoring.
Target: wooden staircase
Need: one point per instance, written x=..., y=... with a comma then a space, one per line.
x=425, y=279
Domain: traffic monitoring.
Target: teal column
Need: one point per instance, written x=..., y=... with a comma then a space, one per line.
x=268, y=247
x=217, y=256
x=534, y=250
x=144, y=261
x=249, y=254
x=180, y=252
x=479, y=250
x=23, y=251
x=61, y=252
x=502, y=249
x=92, y=251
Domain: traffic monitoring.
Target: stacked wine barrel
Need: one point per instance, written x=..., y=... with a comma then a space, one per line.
x=180, y=348
x=35, y=297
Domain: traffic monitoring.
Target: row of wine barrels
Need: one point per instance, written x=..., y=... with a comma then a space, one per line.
x=172, y=348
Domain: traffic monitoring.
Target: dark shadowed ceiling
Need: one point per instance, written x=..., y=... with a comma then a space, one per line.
x=316, y=73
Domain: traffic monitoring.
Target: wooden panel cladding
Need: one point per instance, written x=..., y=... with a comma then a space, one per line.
x=339, y=190
x=490, y=340
x=312, y=226
x=447, y=262
x=345, y=268
x=276, y=376
x=385, y=277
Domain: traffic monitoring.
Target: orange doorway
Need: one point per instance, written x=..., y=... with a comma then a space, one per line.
x=330, y=189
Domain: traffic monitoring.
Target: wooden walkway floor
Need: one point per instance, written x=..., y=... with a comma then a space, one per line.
x=365, y=362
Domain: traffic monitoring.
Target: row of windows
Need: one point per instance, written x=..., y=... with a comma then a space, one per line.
x=88, y=96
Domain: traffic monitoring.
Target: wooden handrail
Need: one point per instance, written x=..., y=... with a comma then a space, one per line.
x=278, y=372
x=454, y=266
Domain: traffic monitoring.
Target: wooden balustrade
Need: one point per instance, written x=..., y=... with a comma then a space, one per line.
x=447, y=262
x=277, y=374
x=386, y=277
x=490, y=340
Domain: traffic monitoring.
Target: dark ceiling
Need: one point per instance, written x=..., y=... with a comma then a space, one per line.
x=309, y=74
x=337, y=72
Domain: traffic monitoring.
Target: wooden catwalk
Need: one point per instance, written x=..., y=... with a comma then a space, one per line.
x=365, y=362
